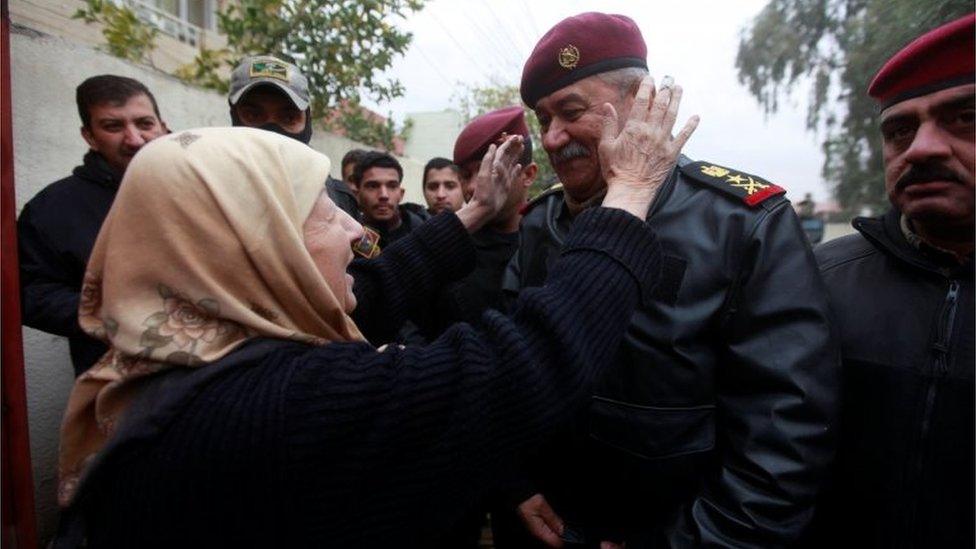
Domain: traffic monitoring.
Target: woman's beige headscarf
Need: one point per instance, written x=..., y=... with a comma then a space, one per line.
x=202, y=250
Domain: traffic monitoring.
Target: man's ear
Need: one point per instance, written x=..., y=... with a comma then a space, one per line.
x=87, y=136
x=166, y=129
x=528, y=174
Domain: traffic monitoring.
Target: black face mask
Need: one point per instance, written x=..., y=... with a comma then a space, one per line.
x=304, y=136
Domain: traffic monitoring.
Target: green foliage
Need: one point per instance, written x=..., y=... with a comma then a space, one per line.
x=342, y=47
x=204, y=71
x=834, y=48
x=473, y=101
x=126, y=36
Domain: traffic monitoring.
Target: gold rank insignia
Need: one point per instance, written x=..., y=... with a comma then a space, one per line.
x=569, y=57
x=369, y=245
x=751, y=189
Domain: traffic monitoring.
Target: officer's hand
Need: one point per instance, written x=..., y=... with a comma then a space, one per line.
x=541, y=520
x=499, y=169
x=637, y=156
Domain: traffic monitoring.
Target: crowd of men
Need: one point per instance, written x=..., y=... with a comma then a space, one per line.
x=765, y=394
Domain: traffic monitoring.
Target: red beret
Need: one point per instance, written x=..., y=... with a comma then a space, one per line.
x=484, y=130
x=581, y=46
x=939, y=59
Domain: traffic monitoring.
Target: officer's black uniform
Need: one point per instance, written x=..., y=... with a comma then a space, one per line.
x=716, y=420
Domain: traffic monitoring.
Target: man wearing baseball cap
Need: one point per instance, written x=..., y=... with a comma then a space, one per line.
x=714, y=422
x=272, y=94
x=901, y=291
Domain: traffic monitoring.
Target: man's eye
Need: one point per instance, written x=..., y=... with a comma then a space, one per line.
x=898, y=133
x=964, y=118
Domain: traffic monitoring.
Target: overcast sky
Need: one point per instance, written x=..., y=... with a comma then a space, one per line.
x=695, y=41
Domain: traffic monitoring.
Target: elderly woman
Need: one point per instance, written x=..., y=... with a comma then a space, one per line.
x=240, y=403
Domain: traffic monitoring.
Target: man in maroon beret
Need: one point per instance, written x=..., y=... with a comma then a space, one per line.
x=467, y=299
x=713, y=424
x=901, y=291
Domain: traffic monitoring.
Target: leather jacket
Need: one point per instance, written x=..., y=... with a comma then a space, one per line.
x=715, y=422
x=905, y=464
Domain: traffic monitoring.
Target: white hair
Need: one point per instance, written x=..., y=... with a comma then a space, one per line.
x=624, y=80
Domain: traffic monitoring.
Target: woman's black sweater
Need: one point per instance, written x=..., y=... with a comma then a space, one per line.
x=281, y=444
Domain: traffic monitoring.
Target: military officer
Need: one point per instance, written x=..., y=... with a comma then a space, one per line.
x=466, y=299
x=715, y=421
x=901, y=291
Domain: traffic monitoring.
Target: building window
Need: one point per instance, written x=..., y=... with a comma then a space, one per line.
x=181, y=19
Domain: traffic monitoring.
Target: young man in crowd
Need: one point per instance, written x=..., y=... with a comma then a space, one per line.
x=271, y=94
x=57, y=227
x=901, y=292
x=442, y=186
x=378, y=179
x=713, y=424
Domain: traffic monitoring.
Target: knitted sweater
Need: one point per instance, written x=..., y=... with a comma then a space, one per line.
x=287, y=445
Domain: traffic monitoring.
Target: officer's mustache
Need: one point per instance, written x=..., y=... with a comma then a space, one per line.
x=573, y=149
x=925, y=173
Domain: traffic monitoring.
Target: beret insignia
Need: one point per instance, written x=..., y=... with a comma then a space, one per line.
x=750, y=189
x=569, y=57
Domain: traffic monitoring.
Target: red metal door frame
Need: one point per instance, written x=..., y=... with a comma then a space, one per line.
x=17, y=498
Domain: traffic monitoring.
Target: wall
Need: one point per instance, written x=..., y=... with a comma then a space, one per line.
x=433, y=134
x=47, y=145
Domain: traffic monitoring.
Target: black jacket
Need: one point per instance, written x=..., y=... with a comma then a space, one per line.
x=55, y=234
x=904, y=474
x=343, y=197
x=714, y=423
x=410, y=219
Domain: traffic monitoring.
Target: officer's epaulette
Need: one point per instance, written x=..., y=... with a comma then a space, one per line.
x=750, y=189
x=557, y=188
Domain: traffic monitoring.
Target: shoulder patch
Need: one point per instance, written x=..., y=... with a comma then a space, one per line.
x=750, y=189
x=557, y=188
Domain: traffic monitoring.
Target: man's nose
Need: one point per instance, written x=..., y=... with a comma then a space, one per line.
x=133, y=137
x=930, y=141
x=554, y=137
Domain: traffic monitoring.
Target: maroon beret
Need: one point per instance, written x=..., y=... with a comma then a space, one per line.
x=581, y=46
x=486, y=129
x=939, y=59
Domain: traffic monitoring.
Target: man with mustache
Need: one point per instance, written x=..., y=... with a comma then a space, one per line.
x=57, y=227
x=714, y=423
x=901, y=291
x=271, y=94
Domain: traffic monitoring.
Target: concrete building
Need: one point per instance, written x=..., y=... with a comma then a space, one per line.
x=433, y=134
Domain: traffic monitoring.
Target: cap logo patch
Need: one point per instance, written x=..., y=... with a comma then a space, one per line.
x=269, y=69
x=569, y=57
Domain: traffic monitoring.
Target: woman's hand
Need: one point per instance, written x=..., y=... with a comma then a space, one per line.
x=636, y=159
x=499, y=169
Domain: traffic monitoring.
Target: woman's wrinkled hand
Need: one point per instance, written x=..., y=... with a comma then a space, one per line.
x=498, y=171
x=637, y=157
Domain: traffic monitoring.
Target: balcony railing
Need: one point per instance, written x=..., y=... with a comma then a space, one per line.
x=166, y=22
